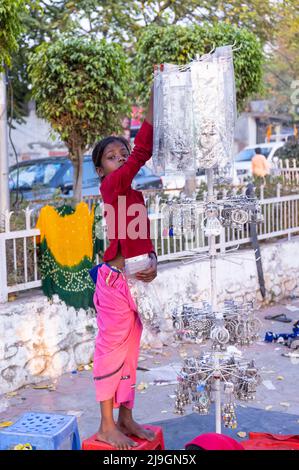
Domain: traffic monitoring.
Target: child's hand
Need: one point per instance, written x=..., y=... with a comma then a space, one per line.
x=148, y=274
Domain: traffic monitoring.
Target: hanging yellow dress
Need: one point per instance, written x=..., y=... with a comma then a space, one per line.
x=66, y=253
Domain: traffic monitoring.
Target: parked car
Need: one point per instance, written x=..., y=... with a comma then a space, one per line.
x=243, y=158
x=40, y=179
x=288, y=137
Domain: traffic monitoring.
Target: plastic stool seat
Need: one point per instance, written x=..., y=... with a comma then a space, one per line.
x=44, y=431
x=157, y=444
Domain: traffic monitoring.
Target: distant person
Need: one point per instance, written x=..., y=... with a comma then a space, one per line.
x=259, y=165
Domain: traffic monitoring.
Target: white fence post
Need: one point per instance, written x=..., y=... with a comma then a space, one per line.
x=3, y=270
x=222, y=240
x=278, y=187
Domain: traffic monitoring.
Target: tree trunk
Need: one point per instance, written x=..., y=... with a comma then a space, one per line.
x=78, y=172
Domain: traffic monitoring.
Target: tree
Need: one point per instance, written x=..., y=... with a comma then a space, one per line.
x=282, y=67
x=123, y=21
x=40, y=22
x=80, y=87
x=119, y=19
x=289, y=151
x=180, y=44
x=10, y=27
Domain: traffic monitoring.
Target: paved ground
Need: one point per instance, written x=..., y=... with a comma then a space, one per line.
x=276, y=408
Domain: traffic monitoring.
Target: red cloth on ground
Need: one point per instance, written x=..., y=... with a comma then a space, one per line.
x=118, y=183
x=268, y=441
x=214, y=441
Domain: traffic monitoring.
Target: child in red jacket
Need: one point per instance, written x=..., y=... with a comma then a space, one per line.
x=120, y=328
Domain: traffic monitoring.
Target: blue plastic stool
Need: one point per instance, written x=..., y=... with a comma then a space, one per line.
x=44, y=431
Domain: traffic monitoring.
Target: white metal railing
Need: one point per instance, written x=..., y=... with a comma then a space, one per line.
x=289, y=171
x=18, y=257
x=18, y=248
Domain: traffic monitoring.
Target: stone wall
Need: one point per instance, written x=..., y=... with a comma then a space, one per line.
x=42, y=339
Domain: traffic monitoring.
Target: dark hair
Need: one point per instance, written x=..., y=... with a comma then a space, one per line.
x=257, y=150
x=99, y=148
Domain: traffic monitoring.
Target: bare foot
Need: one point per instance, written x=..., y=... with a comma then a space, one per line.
x=129, y=427
x=115, y=438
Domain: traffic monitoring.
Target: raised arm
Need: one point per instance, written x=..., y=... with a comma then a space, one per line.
x=117, y=182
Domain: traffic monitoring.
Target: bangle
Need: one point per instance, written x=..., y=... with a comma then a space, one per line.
x=154, y=253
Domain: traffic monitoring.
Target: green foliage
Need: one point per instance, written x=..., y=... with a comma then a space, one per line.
x=80, y=86
x=125, y=19
x=289, y=151
x=10, y=27
x=282, y=68
x=179, y=44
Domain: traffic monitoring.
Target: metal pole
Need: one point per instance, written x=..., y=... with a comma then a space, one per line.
x=212, y=253
x=217, y=390
x=4, y=191
x=212, y=246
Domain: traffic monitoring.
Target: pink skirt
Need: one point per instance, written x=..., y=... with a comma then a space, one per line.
x=118, y=340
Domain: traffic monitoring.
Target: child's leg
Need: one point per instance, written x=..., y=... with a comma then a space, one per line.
x=128, y=426
x=109, y=432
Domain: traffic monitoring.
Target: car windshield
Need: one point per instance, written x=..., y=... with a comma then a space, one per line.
x=144, y=171
x=34, y=174
x=247, y=154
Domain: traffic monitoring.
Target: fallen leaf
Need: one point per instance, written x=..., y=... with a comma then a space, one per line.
x=284, y=403
x=26, y=446
x=141, y=359
x=157, y=362
x=11, y=394
x=280, y=377
x=268, y=407
x=142, y=386
x=164, y=411
x=5, y=424
x=51, y=388
x=241, y=434
x=80, y=368
x=12, y=297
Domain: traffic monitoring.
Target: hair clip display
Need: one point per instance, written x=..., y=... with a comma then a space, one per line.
x=234, y=323
x=194, y=114
x=194, y=121
x=173, y=141
x=196, y=383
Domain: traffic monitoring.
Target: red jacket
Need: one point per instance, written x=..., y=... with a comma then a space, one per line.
x=118, y=183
